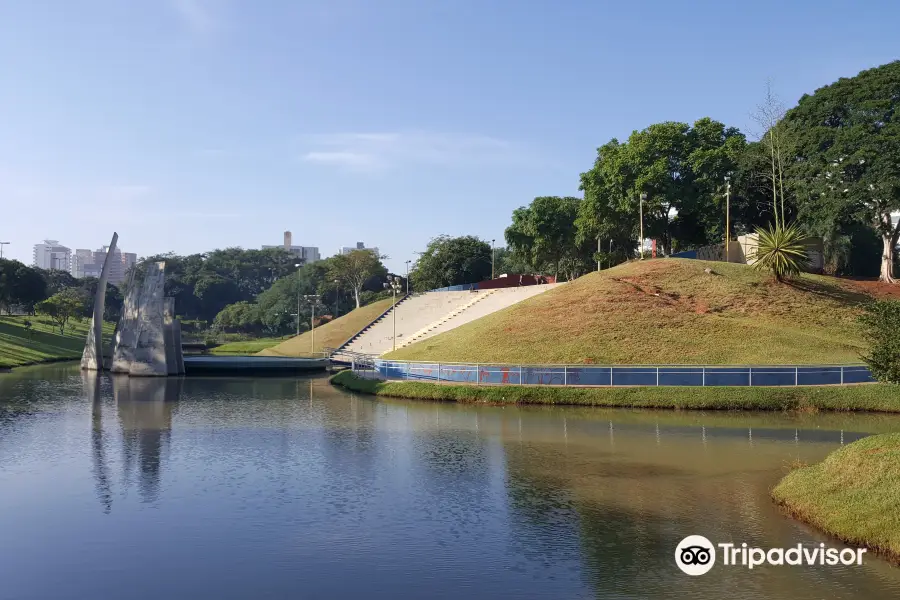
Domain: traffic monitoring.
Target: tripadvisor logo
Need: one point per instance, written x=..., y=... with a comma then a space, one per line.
x=696, y=555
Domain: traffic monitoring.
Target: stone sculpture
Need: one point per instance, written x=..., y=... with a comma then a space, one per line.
x=149, y=349
x=123, y=342
x=92, y=357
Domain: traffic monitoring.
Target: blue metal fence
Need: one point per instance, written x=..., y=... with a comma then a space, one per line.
x=637, y=375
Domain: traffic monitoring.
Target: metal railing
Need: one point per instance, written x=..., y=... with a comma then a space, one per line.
x=615, y=375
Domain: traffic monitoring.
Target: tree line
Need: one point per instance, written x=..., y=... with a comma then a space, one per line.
x=56, y=293
x=830, y=165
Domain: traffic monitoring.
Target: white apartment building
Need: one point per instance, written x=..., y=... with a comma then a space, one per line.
x=51, y=255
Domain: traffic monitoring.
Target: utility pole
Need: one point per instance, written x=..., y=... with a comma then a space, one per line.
x=598, y=252
x=1, y=248
x=643, y=197
x=727, y=216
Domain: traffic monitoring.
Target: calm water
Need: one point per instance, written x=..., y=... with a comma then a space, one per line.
x=276, y=488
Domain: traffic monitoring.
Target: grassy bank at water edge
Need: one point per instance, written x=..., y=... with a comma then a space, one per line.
x=874, y=397
x=666, y=311
x=854, y=494
x=19, y=346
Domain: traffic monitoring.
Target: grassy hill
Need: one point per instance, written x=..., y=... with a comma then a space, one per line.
x=666, y=311
x=44, y=343
x=331, y=334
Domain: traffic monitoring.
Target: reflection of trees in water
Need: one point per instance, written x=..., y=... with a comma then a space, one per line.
x=145, y=407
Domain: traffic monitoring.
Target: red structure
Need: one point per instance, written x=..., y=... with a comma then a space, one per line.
x=508, y=281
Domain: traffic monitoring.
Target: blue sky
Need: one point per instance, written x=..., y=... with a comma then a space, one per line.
x=188, y=125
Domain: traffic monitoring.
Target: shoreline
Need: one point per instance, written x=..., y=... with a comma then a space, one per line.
x=853, y=495
x=875, y=397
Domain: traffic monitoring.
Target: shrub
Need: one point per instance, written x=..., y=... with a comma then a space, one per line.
x=781, y=250
x=882, y=322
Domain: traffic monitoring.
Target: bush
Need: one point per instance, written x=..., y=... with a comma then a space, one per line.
x=882, y=322
x=782, y=251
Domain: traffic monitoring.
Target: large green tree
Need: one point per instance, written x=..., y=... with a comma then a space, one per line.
x=681, y=168
x=355, y=269
x=451, y=261
x=63, y=306
x=545, y=233
x=846, y=141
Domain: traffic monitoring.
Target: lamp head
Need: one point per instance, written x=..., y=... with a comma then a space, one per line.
x=643, y=196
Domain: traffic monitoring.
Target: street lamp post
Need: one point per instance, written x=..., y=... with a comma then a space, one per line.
x=1, y=248
x=395, y=286
x=407, y=277
x=727, y=216
x=643, y=197
x=598, y=252
x=337, y=297
x=313, y=300
x=492, y=258
x=298, y=265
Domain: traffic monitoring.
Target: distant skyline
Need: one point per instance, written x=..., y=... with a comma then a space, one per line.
x=190, y=125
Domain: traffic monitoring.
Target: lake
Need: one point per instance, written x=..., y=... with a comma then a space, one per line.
x=224, y=488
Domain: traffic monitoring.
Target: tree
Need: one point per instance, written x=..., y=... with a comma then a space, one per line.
x=847, y=156
x=510, y=261
x=62, y=306
x=775, y=139
x=545, y=232
x=451, y=261
x=681, y=168
x=58, y=280
x=355, y=268
x=882, y=322
x=240, y=317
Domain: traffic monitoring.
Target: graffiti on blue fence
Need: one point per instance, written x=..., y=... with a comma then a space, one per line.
x=649, y=375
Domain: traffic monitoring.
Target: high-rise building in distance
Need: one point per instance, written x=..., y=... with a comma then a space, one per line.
x=303, y=254
x=51, y=255
x=89, y=263
x=359, y=246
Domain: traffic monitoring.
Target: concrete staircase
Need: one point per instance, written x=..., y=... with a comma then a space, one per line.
x=425, y=331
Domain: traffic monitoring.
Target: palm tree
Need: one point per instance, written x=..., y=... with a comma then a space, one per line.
x=781, y=250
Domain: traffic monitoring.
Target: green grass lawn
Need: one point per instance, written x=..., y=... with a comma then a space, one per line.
x=854, y=494
x=247, y=346
x=331, y=334
x=666, y=311
x=44, y=343
x=874, y=397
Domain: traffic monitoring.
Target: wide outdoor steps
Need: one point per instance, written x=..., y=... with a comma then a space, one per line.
x=422, y=316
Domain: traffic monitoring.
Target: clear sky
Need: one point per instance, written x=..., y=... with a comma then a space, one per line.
x=188, y=125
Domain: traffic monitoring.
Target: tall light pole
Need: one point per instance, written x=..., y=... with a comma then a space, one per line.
x=297, y=266
x=407, y=277
x=492, y=258
x=395, y=286
x=337, y=297
x=727, y=216
x=1, y=248
x=643, y=197
x=598, y=252
x=313, y=300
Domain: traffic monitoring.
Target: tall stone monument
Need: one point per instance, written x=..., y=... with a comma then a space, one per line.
x=92, y=357
x=123, y=342
x=149, y=349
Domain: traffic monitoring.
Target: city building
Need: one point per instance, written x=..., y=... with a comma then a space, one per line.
x=89, y=263
x=359, y=246
x=303, y=254
x=51, y=255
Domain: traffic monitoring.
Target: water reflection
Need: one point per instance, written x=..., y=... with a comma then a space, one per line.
x=279, y=488
x=145, y=408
